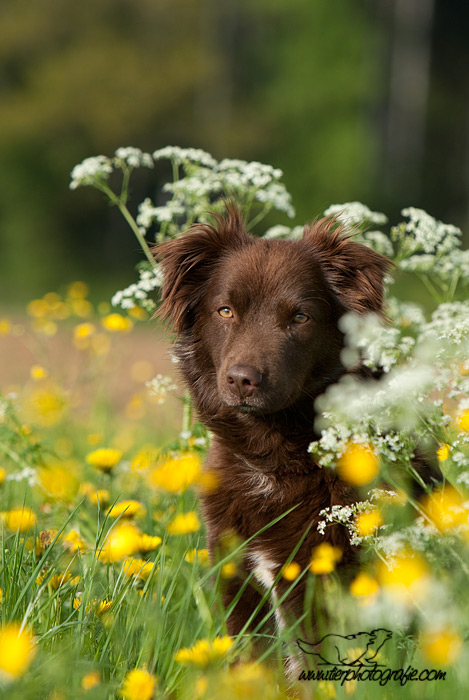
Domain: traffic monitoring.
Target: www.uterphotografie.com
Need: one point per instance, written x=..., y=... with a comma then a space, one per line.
x=377, y=675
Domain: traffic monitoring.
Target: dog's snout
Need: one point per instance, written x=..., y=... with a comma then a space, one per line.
x=245, y=378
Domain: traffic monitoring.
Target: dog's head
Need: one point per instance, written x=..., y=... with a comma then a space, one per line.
x=259, y=317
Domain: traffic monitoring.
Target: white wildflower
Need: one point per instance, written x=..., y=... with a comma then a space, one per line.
x=137, y=294
x=160, y=386
x=148, y=213
x=26, y=474
x=424, y=234
x=377, y=241
x=91, y=171
x=355, y=213
x=134, y=157
x=181, y=155
x=277, y=196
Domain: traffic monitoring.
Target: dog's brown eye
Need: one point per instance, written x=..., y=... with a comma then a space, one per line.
x=225, y=312
x=300, y=318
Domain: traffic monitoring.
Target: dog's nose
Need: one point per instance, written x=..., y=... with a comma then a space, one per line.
x=245, y=378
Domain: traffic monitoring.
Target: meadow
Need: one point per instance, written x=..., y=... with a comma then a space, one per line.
x=106, y=587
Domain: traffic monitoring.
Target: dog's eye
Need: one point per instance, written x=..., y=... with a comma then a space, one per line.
x=300, y=318
x=225, y=312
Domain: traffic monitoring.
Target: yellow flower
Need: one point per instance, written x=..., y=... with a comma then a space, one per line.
x=82, y=334
x=81, y=307
x=199, y=555
x=3, y=475
x=204, y=651
x=127, y=509
x=103, y=607
x=59, y=482
x=37, y=308
x=121, y=542
x=139, y=568
x=117, y=323
x=364, y=585
x=147, y=456
x=17, y=650
x=462, y=421
x=59, y=580
x=94, y=438
x=291, y=571
x=44, y=539
x=5, y=326
x=74, y=541
x=359, y=464
x=184, y=523
x=324, y=559
x=100, y=496
x=445, y=507
x=138, y=684
x=366, y=523
x=44, y=326
x=77, y=290
x=148, y=543
x=104, y=458
x=45, y=405
x=443, y=452
x=228, y=570
x=246, y=680
x=441, y=647
x=21, y=519
x=91, y=680
x=76, y=603
x=138, y=313
x=38, y=372
x=406, y=574
x=176, y=474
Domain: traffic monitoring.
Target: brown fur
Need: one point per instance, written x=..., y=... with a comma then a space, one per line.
x=260, y=439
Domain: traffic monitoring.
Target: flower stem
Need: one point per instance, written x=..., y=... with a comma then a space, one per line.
x=133, y=225
x=187, y=414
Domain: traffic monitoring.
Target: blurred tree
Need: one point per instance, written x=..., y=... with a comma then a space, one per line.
x=354, y=99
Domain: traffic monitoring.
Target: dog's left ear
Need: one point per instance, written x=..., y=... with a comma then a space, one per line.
x=354, y=272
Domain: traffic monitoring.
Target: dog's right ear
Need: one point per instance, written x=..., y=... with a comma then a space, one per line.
x=189, y=260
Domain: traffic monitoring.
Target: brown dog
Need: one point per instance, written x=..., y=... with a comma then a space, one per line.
x=258, y=341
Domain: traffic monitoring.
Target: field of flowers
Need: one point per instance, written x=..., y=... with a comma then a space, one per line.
x=106, y=588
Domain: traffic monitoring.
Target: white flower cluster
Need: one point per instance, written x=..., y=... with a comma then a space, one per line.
x=369, y=341
x=97, y=169
x=205, y=179
x=356, y=217
x=280, y=231
x=148, y=213
x=420, y=372
x=427, y=246
x=134, y=157
x=90, y=171
x=355, y=214
x=185, y=155
x=137, y=294
x=423, y=233
x=343, y=515
x=26, y=474
x=160, y=386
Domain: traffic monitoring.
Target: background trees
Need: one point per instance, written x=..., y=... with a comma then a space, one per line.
x=353, y=100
